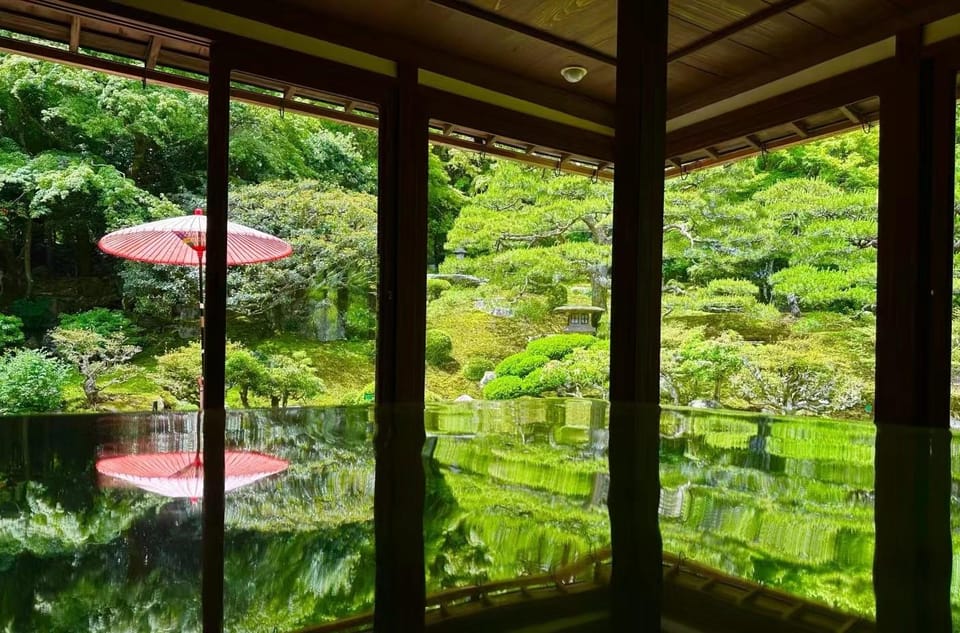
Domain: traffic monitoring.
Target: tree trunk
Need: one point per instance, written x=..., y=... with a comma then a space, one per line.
x=598, y=292
x=90, y=390
x=27, y=267
x=275, y=402
x=283, y=404
x=244, y=396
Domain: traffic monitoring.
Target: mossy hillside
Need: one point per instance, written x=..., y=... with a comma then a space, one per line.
x=477, y=334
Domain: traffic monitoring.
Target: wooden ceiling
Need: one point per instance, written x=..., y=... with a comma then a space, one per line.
x=717, y=49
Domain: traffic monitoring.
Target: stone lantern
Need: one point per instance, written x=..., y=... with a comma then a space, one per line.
x=580, y=318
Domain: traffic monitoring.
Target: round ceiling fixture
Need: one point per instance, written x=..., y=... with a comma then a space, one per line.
x=573, y=74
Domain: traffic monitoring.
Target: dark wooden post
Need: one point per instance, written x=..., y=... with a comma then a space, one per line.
x=215, y=336
x=912, y=560
x=402, y=234
x=915, y=257
x=633, y=500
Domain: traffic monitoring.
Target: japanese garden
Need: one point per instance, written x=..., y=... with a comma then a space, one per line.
x=767, y=363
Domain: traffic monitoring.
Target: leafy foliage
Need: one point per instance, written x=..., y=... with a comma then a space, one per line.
x=11, y=331
x=333, y=235
x=101, y=321
x=791, y=381
x=288, y=378
x=179, y=371
x=31, y=382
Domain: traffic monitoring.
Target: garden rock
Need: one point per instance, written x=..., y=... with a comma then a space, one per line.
x=705, y=404
x=487, y=377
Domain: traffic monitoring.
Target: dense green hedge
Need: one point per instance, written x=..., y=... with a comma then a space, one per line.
x=559, y=345
x=521, y=364
x=504, y=388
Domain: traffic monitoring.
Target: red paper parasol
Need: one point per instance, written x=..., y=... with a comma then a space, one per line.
x=182, y=241
x=181, y=474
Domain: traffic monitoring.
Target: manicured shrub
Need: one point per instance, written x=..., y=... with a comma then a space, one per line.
x=439, y=348
x=559, y=345
x=550, y=377
x=504, y=388
x=520, y=364
x=476, y=367
x=31, y=382
x=11, y=331
x=436, y=287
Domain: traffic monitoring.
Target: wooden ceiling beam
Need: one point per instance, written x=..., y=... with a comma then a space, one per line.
x=525, y=29
x=75, y=34
x=771, y=11
x=756, y=77
x=602, y=171
x=153, y=52
x=170, y=80
x=777, y=111
x=473, y=115
x=798, y=128
x=848, y=112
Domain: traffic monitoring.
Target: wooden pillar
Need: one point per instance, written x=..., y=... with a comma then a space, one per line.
x=915, y=257
x=402, y=234
x=215, y=336
x=912, y=560
x=633, y=499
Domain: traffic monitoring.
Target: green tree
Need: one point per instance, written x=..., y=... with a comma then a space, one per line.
x=443, y=205
x=532, y=229
x=245, y=371
x=289, y=377
x=63, y=194
x=705, y=365
x=178, y=371
x=790, y=379
x=94, y=355
x=334, y=240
